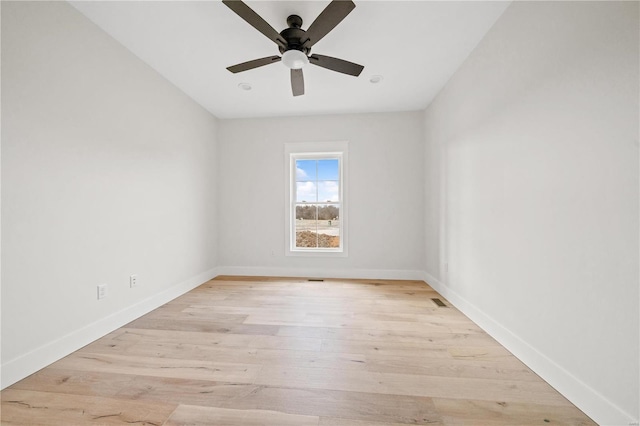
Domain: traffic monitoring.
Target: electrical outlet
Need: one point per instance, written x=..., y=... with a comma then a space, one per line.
x=133, y=281
x=102, y=291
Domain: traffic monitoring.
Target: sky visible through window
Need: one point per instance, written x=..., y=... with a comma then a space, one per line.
x=317, y=181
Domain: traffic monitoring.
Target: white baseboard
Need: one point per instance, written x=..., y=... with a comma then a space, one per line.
x=592, y=403
x=27, y=364
x=370, y=274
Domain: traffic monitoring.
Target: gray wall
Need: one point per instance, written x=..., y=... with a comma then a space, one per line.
x=532, y=196
x=385, y=184
x=107, y=171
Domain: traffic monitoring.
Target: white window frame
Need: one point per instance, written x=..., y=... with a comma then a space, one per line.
x=314, y=150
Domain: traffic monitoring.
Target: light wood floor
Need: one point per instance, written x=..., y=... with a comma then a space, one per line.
x=264, y=351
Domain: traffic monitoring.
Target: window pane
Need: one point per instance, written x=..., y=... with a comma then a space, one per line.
x=306, y=235
x=306, y=192
x=328, y=226
x=306, y=226
x=328, y=191
x=306, y=170
x=306, y=212
x=328, y=169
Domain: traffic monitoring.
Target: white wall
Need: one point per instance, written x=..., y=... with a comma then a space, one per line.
x=386, y=226
x=532, y=196
x=107, y=170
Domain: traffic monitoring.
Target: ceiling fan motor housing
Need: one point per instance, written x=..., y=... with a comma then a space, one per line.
x=294, y=35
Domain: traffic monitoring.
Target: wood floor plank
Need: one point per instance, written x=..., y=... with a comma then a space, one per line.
x=411, y=385
x=77, y=382
x=343, y=322
x=361, y=309
x=167, y=390
x=335, y=421
x=468, y=412
x=426, y=349
x=362, y=406
x=372, y=334
x=219, y=339
x=202, y=326
x=265, y=350
x=188, y=314
x=512, y=370
x=205, y=416
x=161, y=367
x=230, y=354
x=319, y=302
x=22, y=407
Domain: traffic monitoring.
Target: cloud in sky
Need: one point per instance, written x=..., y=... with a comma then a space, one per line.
x=306, y=191
x=301, y=174
x=328, y=191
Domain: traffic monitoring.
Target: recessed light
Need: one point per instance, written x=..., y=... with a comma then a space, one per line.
x=244, y=86
x=375, y=79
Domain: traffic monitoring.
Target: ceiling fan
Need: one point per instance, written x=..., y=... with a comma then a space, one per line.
x=295, y=43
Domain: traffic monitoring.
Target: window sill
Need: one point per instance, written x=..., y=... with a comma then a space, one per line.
x=316, y=253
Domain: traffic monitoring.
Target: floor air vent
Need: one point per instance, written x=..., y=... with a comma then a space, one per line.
x=439, y=302
x=316, y=280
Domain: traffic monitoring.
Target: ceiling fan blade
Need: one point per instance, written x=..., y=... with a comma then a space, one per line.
x=331, y=16
x=335, y=64
x=249, y=65
x=297, y=82
x=255, y=20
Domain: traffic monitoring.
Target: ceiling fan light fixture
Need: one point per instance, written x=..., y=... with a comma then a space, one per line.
x=294, y=59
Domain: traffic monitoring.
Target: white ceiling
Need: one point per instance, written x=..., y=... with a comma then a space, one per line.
x=415, y=45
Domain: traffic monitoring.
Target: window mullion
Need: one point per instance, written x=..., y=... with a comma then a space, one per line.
x=317, y=200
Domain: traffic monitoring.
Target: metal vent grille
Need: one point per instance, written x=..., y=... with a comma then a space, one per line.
x=439, y=302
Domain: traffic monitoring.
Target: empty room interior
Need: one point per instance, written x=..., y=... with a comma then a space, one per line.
x=431, y=217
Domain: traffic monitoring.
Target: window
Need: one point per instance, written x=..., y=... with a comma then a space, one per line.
x=316, y=200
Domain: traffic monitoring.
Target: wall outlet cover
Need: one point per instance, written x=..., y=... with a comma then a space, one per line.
x=102, y=291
